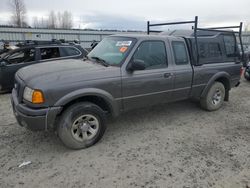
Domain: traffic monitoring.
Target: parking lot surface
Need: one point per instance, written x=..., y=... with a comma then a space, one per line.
x=173, y=145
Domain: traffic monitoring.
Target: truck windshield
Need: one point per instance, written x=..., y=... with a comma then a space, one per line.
x=112, y=50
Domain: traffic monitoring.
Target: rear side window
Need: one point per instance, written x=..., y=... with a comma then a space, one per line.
x=50, y=53
x=22, y=56
x=69, y=51
x=152, y=53
x=180, y=53
x=230, y=45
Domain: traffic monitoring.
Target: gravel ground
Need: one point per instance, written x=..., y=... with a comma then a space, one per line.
x=175, y=145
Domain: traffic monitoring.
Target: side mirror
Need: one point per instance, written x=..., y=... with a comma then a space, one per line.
x=136, y=64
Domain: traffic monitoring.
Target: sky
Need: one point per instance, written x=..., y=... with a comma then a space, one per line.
x=133, y=14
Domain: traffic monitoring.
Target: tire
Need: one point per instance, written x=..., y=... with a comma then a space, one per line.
x=247, y=75
x=81, y=125
x=214, y=97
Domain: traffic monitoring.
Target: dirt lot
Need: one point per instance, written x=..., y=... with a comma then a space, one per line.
x=175, y=145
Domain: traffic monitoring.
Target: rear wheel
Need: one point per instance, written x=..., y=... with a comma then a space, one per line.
x=81, y=125
x=214, y=97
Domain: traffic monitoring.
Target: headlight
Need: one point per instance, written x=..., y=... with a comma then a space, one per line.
x=33, y=96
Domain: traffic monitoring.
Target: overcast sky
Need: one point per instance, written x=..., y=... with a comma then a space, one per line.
x=133, y=14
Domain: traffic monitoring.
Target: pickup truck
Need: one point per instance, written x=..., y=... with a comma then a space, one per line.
x=125, y=72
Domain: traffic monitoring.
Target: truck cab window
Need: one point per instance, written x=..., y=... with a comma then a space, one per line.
x=50, y=53
x=180, y=53
x=22, y=56
x=152, y=53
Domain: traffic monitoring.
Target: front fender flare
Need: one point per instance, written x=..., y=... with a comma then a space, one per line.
x=90, y=92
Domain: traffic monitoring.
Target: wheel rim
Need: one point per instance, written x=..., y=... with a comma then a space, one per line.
x=85, y=127
x=216, y=99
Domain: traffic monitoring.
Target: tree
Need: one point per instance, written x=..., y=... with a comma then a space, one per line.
x=18, y=10
x=52, y=20
x=65, y=20
x=59, y=20
x=35, y=22
x=40, y=22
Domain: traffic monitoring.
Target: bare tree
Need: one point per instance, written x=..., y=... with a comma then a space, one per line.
x=59, y=20
x=55, y=20
x=40, y=22
x=18, y=10
x=35, y=22
x=44, y=22
x=65, y=20
x=52, y=20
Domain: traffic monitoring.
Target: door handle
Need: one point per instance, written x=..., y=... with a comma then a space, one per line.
x=168, y=75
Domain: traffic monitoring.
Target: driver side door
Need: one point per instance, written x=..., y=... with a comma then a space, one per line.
x=153, y=85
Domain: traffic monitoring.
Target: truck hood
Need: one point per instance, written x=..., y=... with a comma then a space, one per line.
x=65, y=72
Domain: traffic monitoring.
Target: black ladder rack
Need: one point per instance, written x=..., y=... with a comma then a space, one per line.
x=195, y=28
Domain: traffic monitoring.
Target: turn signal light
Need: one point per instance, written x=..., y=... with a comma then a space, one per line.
x=37, y=97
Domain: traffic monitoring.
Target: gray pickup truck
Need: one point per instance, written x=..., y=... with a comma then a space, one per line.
x=124, y=72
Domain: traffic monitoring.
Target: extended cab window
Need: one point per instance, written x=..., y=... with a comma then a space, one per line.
x=69, y=51
x=230, y=45
x=152, y=53
x=180, y=53
x=49, y=53
x=21, y=56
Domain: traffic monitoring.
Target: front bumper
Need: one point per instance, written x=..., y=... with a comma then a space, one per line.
x=33, y=119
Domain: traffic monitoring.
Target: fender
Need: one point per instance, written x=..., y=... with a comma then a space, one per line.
x=90, y=92
x=215, y=77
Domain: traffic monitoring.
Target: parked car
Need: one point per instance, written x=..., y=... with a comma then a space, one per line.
x=34, y=53
x=125, y=72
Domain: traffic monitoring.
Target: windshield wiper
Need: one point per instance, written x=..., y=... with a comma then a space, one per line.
x=100, y=60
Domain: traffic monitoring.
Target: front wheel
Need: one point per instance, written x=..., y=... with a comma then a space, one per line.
x=247, y=75
x=81, y=125
x=214, y=97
